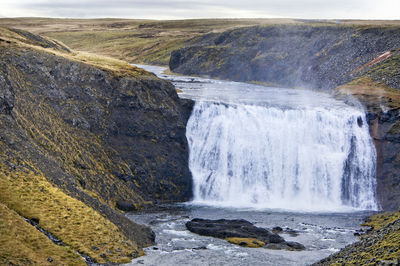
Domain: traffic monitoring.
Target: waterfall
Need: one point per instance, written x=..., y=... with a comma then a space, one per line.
x=313, y=159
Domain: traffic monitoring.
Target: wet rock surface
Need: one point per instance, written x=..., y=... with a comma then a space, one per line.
x=239, y=229
x=385, y=130
x=126, y=206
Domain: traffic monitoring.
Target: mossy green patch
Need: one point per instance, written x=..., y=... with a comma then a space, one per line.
x=246, y=242
x=381, y=220
x=381, y=245
x=395, y=129
x=389, y=68
x=209, y=55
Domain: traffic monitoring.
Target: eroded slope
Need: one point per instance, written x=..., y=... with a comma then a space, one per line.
x=105, y=133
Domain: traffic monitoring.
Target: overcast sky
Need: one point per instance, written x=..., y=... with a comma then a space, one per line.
x=180, y=9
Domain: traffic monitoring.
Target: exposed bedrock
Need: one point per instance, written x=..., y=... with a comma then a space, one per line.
x=385, y=131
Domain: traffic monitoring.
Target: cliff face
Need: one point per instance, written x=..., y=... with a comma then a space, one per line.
x=320, y=57
x=378, y=90
x=135, y=126
x=111, y=136
x=384, y=127
x=360, y=61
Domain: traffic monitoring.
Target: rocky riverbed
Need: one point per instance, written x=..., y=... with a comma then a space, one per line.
x=321, y=233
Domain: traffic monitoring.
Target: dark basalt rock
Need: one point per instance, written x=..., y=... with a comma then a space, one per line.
x=125, y=206
x=385, y=131
x=295, y=245
x=6, y=96
x=286, y=245
x=280, y=230
x=239, y=228
x=291, y=232
x=231, y=228
x=277, y=230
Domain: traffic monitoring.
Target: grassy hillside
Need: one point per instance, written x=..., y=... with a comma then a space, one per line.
x=145, y=41
x=55, y=165
x=24, y=193
x=21, y=244
x=139, y=41
x=23, y=39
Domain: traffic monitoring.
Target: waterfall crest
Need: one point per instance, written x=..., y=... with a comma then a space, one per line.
x=316, y=159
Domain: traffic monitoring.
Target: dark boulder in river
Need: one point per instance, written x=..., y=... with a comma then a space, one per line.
x=224, y=229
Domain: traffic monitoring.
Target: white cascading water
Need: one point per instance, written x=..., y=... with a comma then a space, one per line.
x=315, y=159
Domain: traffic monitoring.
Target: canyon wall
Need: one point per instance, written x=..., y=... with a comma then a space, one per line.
x=100, y=131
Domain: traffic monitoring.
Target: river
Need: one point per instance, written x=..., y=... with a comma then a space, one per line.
x=297, y=159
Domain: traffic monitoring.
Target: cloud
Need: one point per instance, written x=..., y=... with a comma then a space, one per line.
x=176, y=9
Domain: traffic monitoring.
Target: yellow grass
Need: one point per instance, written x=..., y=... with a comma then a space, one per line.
x=246, y=242
x=381, y=220
x=80, y=227
x=118, y=67
x=374, y=92
x=23, y=244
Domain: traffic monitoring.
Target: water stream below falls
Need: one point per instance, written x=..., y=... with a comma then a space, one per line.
x=267, y=154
